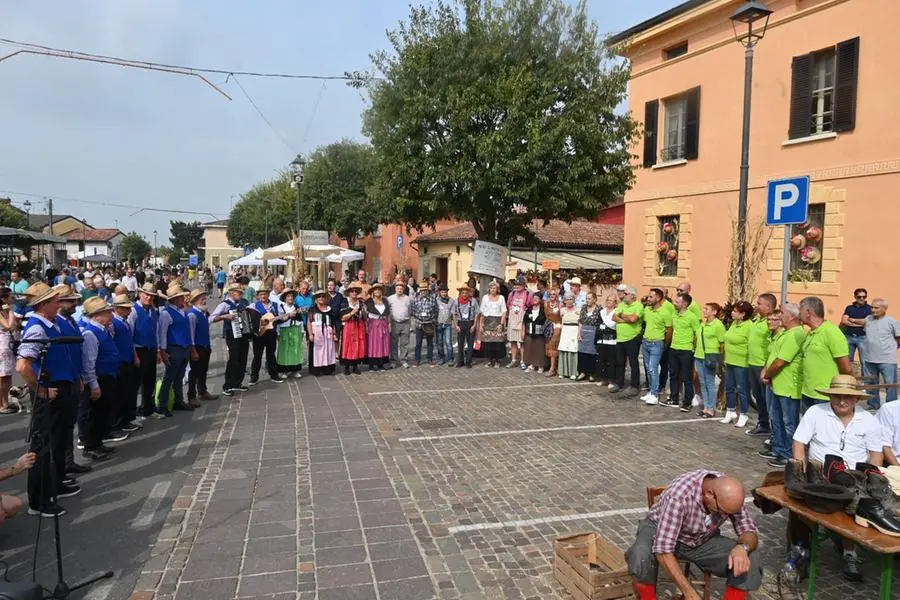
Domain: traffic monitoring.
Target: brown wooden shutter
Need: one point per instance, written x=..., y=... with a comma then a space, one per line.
x=692, y=125
x=801, y=97
x=651, y=122
x=846, y=68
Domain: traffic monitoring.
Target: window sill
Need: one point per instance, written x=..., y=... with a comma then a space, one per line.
x=811, y=138
x=670, y=163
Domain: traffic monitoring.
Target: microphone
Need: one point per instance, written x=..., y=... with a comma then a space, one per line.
x=63, y=339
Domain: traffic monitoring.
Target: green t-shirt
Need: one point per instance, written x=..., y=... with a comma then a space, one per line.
x=713, y=336
x=696, y=309
x=685, y=326
x=657, y=320
x=628, y=331
x=86, y=293
x=820, y=349
x=737, y=340
x=760, y=338
x=786, y=346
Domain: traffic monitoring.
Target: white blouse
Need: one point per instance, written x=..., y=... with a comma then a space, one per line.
x=493, y=308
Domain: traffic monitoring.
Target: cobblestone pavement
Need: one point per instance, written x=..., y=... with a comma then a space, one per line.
x=432, y=483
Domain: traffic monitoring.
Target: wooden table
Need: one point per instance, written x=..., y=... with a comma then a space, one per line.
x=842, y=524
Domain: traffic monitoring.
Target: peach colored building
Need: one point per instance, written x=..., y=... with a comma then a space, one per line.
x=825, y=95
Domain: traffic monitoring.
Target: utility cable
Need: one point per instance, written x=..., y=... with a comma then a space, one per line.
x=261, y=114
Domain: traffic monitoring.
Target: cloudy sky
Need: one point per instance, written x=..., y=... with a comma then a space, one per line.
x=92, y=135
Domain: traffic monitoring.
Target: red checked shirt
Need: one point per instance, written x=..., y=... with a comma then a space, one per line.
x=680, y=516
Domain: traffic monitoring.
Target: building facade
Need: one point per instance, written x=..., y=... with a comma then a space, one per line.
x=821, y=107
x=217, y=251
x=87, y=242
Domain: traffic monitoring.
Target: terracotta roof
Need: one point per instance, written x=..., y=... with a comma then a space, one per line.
x=556, y=234
x=92, y=235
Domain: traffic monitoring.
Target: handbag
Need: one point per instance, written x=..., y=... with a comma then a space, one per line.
x=170, y=403
x=548, y=330
x=712, y=360
x=428, y=328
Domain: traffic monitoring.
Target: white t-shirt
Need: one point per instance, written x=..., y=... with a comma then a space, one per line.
x=825, y=434
x=888, y=417
x=493, y=308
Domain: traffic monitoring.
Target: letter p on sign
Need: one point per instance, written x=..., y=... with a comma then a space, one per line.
x=788, y=201
x=786, y=194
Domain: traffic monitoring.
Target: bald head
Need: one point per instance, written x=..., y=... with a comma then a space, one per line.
x=683, y=288
x=728, y=495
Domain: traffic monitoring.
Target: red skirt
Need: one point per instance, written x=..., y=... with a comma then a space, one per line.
x=353, y=340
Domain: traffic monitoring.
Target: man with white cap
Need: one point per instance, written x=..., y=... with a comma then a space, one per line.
x=175, y=345
x=579, y=294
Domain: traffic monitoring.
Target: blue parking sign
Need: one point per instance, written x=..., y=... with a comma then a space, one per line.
x=788, y=201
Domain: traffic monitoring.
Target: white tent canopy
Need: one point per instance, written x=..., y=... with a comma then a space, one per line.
x=345, y=256
x=251, y=261
x=286, y=250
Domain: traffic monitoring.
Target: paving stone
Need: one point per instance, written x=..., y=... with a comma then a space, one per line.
x=338, y=539
x=345, y=575
x=353, y=592
x=196, y=569
x=402, y=568
x=271, y=563
x=271, y=583
x=327, y=557
x=421, y=589
x=213, y=589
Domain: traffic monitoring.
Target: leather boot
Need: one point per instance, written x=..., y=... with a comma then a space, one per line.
x=870, y=512
x=879, y=488
x=833, y=464
x=794, y=479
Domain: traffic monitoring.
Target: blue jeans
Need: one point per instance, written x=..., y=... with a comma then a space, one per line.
x=737, y=381
x=758, y=391
x=652, y=352
x=858, y=343
x=420, y=333
x=707, y=384
x=445, y=342
x=886, y=372
x=784, y=415
x=174, y=377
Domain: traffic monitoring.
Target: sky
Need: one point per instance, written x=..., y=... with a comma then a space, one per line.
x=92, y=136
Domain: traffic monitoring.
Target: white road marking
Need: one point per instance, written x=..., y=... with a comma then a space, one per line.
x=100, y=592
x=452, y=436
x=154, y=499
x=182, y=447
x=470, y=389
x=619, y=512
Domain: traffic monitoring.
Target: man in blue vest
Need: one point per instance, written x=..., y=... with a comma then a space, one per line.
x=125, y=413
x=51, y=379
x=199, y=324
x=144, y=322
x=175, y=346
x=267, y=339
x=68, y=326
x=100, y=371
x=238, y=347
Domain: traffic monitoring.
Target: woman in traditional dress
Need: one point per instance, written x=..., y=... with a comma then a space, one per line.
x=320, y=331
x=353, y=334
x=516, y=303
x=552, y=309
x=534, y=352
x=9, y=326
x=378, y=329
x=492, y=325
x=587, y=334
x=568, y=339
x=290, y=337
x=606, y=342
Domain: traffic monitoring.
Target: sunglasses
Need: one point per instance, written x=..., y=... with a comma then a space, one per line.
x=860, y=297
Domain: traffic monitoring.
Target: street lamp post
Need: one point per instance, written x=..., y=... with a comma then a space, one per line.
x=751, y=13
x=155, y=249
x=297, y=166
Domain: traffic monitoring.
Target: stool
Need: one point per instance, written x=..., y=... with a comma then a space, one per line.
x=701, y=585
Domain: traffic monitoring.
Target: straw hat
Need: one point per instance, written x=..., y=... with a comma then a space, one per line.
x=575, y=281
x=122, y=301
x=425, y=283
x=234, y=287
x=463, y=288
x=844, y=385
x=353, y=285
x=95, y=305
x=66, y=292
x=149, y=288
x=376, y=286
x=174, y=291
x=196, y=294
x=263, y=289
x=40, y=292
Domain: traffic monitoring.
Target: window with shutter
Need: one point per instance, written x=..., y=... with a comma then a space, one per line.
x=801, y=92
x=823, y=90
x=846, y=80
x=651, y=118
x=692, y=125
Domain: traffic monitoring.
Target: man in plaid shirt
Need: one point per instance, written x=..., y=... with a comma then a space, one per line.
x=684, y=525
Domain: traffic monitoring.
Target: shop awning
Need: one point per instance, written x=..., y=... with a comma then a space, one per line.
x=569, y=260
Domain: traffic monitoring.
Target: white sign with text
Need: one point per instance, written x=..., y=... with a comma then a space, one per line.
x=489, y=259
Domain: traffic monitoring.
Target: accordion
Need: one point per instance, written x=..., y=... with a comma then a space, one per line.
x=241, y=325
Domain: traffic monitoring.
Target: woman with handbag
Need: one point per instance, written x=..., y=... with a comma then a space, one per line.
x=534, y=351
x=588, y=322
x=553, y=328
x=708, y=357
x=492, y=328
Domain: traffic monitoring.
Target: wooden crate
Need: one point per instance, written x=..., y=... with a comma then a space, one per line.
x=590, y=568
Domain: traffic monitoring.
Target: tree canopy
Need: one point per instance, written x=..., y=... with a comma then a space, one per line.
x=134, y=247
x=247, y=221
x=499, y=112
x=186, y=236
x=11, y=217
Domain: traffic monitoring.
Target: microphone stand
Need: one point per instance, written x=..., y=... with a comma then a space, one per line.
x=62, y=589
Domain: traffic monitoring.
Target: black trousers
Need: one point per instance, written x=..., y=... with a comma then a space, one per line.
x=146, y=379
x=93, y=415
x=665, y=362
x=124, y=410
x=606, y=361
x=264, y=343
x=197, y=375
x=465, y=339
x=680, y=364
x=237, y=361
x=48, y=442
x=628, y=352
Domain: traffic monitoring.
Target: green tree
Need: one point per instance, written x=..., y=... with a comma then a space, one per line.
x=186, y=236
x=247, y=221
x=499, y=113
x=134, y=247
x=11, y=217
x=334, y=193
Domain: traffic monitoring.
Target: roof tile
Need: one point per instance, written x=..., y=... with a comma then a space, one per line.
x=557, y=234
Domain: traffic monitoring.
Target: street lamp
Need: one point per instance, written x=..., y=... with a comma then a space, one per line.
x=748, y=15
x=155, y=250
x=297, y=166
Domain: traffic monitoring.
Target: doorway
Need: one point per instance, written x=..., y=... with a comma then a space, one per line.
x=442, y=269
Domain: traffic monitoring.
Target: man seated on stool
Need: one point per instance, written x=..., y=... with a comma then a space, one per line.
x=684, y=525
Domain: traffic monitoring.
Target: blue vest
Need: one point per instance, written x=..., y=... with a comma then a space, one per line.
x=179, y=333
x=145, y=327
x=124, y=341
x=68, y=327
x=57, y=362
x=107, y=353
x=232, y=305
x=201, y=332
x=261, y=309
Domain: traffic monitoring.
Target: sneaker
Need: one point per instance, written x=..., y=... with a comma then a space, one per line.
x=76, y=469
x=730, y=417
x=67, y=491
x=671, y=403
x=525, y=367
x=253, y=382
x=95, y=456
x=647, y=396
x=614, y=389
x=759, y=431
x=240, y=388
x=742, y=421
x=69, y=481
x=685, y=408
x=136, y=424
x=48, y=512
x=156, y=415
x=227, y=392
x=511, y=364
x=298, y=374
x=278, y=380
x=650, y=399
x=115, y=436
x=851, y=567
x=779, y=462
x=696, y=401
x=767, y=443
x=540, y=370
x=767, y=454
x=404, y=364
x=80, y=445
